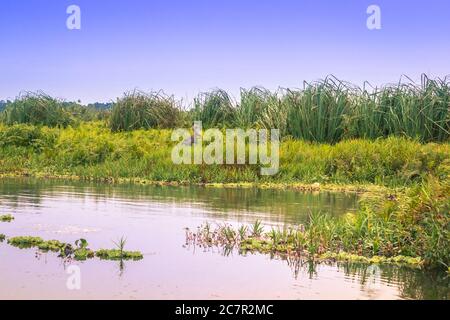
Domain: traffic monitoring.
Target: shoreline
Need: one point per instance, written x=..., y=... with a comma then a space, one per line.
x=294, y=186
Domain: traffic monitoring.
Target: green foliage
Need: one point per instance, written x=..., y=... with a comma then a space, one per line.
x=410, y=227
x=6, y=218
x=91, y=151
x=24, y=135
x=139, y=110
x=25, y=242
x=37, y=109
x=2, y=237
x=317, y=112
x=215, y=109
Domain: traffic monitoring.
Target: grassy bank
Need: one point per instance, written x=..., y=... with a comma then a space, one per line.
x=91, y=151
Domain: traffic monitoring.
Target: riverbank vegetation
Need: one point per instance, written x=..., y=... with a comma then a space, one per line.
x=325, y=111
x=91, y=151
x=333, y=133
x=405, y=228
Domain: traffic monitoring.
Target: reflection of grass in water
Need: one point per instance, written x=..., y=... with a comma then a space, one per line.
x=412, y=283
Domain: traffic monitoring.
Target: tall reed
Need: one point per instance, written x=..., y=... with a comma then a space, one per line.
x=37, y=109
x=139, y=110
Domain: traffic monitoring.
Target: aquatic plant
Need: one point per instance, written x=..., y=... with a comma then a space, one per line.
x=51, y=245
x=2, y=237
x=6, y=218
x=116, y=254
x=257, y=228
x=411, y=227
x=25, y=241
x=37, y=109
x=120, y=253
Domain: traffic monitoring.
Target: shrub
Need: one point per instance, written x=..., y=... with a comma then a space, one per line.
x=37, y=109
x=139, y=110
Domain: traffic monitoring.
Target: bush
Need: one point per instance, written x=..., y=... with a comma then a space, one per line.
x=138, y=110
x=214, y=109
x=23, y=135
x=37, y=109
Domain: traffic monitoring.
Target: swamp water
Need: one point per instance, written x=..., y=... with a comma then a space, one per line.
x=153, y=218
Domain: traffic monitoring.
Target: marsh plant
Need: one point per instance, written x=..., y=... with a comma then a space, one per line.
x=410, y=228
x=140, y=110
x=239, y=147
x=37, y=109
x=6, y=218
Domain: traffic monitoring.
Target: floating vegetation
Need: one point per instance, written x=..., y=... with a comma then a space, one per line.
x=25, y=242
x=79, y=251
x=119, y=253
x=2, y=237
x=344, y=256
x=115, y=254
x=6, y=218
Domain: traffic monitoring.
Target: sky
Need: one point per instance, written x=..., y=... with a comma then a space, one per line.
x=189, y=46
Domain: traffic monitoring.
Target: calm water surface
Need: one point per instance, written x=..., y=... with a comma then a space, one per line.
x=153, y=220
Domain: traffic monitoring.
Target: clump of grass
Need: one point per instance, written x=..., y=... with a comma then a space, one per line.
x=78, y=251
x=6, y=218
x=261, y=108
x=23, y=242
x=140, y=110
x=37, y=109
x=25, y=135
x=120, y=253
x=214, y=109
x=406, y=109
x=116, y=254
x=317, y=112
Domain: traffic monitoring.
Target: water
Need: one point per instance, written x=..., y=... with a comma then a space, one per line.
x=153, y=220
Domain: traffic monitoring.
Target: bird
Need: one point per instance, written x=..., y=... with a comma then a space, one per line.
x=193, y=139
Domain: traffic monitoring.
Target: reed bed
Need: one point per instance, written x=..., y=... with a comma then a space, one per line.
x=37, y=109
x=325, y=111
x=140, y=110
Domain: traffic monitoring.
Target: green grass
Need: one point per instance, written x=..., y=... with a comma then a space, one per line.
x=215, y=109
x=6, y=218
x=91, y=151
x=139, y=110
x=37, y=109
x=326, y=111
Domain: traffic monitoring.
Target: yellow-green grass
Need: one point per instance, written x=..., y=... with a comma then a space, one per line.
x=91, y=151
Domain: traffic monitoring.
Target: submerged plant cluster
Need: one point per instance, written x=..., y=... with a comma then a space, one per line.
x=78, y=251
x=411, y=228
x=328, y=111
